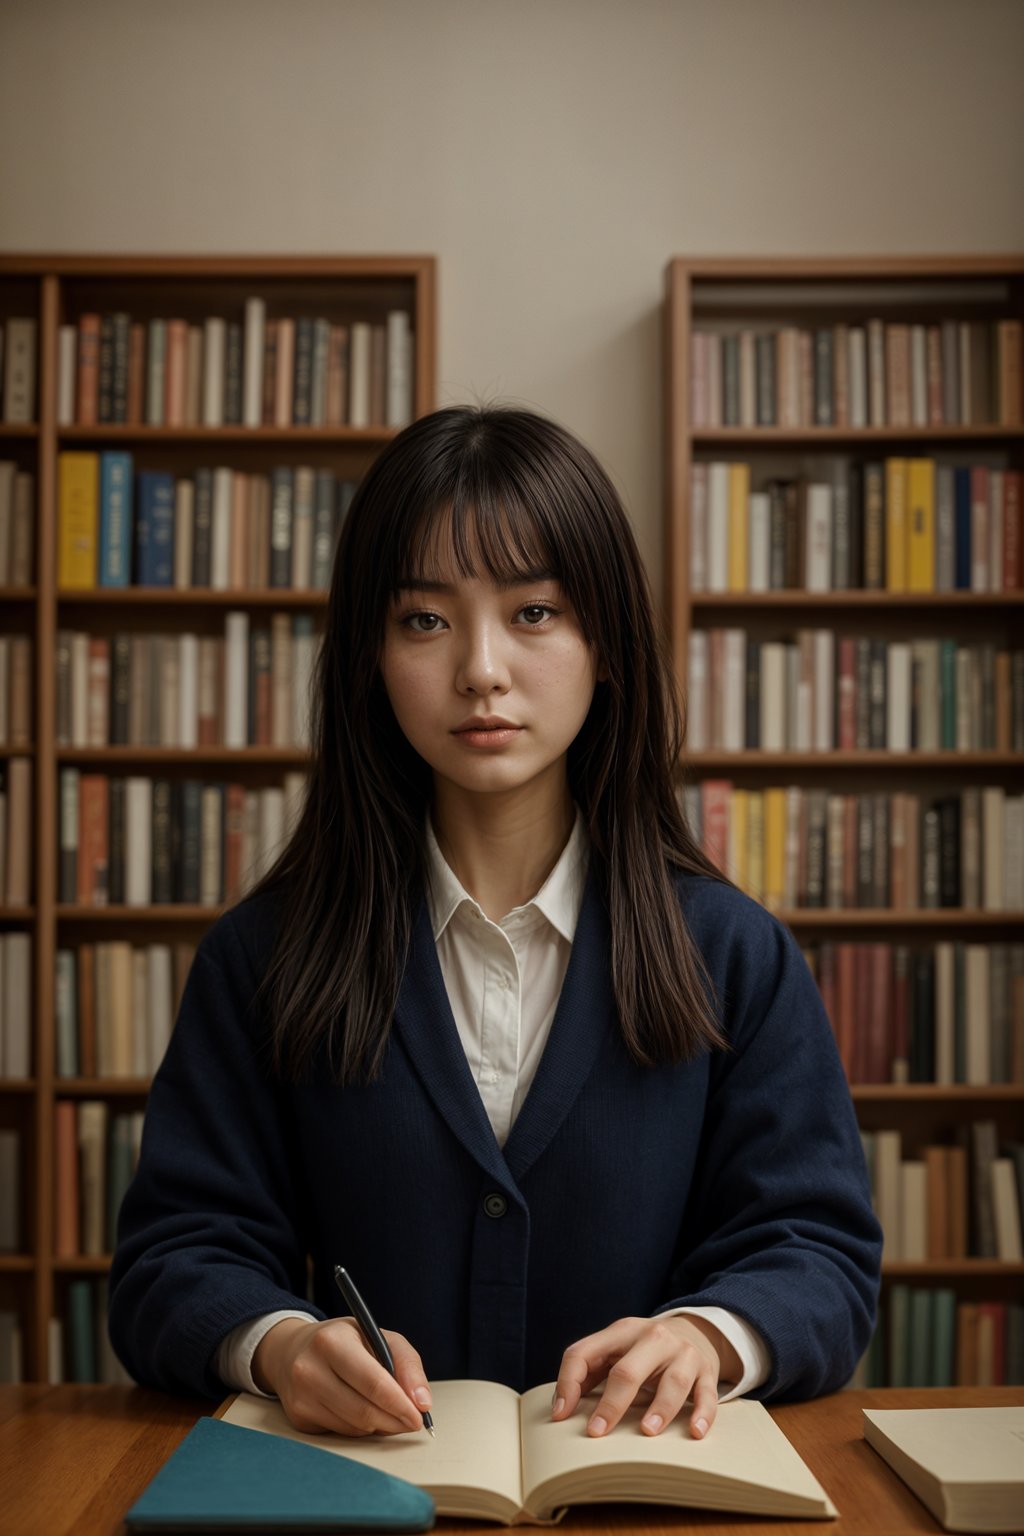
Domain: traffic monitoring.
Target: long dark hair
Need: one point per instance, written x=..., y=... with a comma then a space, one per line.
x=352, y=872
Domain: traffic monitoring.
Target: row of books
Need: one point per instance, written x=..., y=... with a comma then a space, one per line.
x=950, y=1201
x=817, y=691
x=799, y=847
x=95, y=1154
x=925, y=1337
x=16, y=691
x=249, y=686
x=115, y=1005
x=895, y=373
x=15, y=831
x=18, y=371
x=15, y=1005
x=947, y=1012
x=79, y=1346
x=224, y=528
x=10, y=1191
x=898, y=525
x=17, y=524
x=257, y=370
x=142, y=841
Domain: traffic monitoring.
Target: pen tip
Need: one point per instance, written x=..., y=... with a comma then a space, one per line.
x=431, y=1433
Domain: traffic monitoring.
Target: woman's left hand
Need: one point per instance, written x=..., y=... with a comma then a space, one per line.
x=676, y=1357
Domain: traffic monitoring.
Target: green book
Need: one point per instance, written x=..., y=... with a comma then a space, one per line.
x=920, y=1370
x=899, y=1336
x=225, y=1478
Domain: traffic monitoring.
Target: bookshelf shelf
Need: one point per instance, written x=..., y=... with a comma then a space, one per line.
x=758, y=363
x=18, y=1085
x=326, y=293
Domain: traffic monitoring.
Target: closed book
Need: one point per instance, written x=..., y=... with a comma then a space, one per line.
x=920, y=525
x=896, y=525
x=77, y=519
x=115, y=560
x=964, y=1464
x=202, y=529
x=154, y=529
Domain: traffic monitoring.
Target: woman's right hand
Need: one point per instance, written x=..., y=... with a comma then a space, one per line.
x=327, y=1378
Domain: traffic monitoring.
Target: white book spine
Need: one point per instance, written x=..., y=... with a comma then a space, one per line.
x=184, y=525
x=399, y=369
x=188, y=690
x=214, y=334
x=1006, y=1210
x=978, y=1041
x=138, y=885
x=824, y=689
x=858, y=377
x=918, y=376
x=255, y=334
x=271, y=826
x=211, y=829
x=898, y=697
x=818, y=571
x=302, y=528
x=237, y=680
x=359, y=374
x=914, y=1211
x=735, y=690
x=759, y=539
x=697, y=700
x=303, y=649
x=888, y=1189
x=718, y=527
x=139, y=1034
x=220, y=532
x=67, y=353
x=161, y=1003
x=773, y=696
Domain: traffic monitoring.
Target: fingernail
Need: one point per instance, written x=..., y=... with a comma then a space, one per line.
x=558, y=1405
x=422, y=1396
x=597, y=1426
x=701, y=1426
x=653, y=1421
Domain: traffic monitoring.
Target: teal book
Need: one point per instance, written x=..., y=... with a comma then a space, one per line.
x=225, y=1478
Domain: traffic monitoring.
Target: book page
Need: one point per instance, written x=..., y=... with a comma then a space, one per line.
x=745, y=1463
x=471, y=1467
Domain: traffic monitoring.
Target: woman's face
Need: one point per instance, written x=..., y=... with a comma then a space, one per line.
x=469, y=650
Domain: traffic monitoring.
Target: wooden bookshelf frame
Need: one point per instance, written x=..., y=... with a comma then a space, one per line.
x=917, y=1109
x=29, y=1280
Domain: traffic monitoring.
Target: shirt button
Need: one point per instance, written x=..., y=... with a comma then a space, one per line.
x=503, y=983
x=495, y=1205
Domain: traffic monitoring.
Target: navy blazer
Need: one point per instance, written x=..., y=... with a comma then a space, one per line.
x=737, y=1179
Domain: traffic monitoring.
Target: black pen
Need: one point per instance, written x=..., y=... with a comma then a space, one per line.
x=372, y=1334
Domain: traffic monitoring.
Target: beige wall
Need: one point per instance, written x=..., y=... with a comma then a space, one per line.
x=552, y=153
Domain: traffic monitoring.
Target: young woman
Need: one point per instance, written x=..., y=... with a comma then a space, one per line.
x=493, y=1034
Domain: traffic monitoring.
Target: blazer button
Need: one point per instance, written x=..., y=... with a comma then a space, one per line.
x=495, y=1205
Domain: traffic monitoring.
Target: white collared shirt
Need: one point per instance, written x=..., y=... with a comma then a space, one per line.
x=503, y=982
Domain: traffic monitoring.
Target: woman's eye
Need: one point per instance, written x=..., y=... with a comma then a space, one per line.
x=536, y=612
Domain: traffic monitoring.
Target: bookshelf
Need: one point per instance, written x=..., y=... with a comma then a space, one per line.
x=782, y=376
x=338, y=305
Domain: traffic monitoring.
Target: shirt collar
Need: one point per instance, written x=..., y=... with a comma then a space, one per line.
x=559, y=898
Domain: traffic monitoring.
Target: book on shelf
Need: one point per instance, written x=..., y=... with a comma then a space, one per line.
x=223, y=528
x=15, y=831
x=17, y=525
x=16, y=691
x=252, y=369
x=12, y=1369
x=882, y=373
x=896, y=525
x=925, y=1337
x=249, y=686
x=500, y=1456
x=19, y=370
x=964, y=1464
x=80, y=1348
x=11, y=1233
x=139, y=841
x=16, y=992
x=95, y=1155
x=115, y=1004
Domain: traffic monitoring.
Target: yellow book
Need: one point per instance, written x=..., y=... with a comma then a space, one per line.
x=755, y=844
x=78, y=504
x=739, y=822
x=774, y=848
x=920, y=525
x=896, y=525
x=739, y=513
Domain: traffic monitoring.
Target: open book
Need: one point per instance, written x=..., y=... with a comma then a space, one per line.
x=500, y=1456
x=965, y=1464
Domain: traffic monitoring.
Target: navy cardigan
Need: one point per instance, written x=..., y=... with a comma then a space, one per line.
x=736, y=1180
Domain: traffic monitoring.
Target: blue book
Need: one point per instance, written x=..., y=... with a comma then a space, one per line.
x=962, y=504
x=115, y=519
x=223, y=1477
x=154, y=531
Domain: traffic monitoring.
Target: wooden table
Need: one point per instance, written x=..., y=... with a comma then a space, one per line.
x=73, y=1459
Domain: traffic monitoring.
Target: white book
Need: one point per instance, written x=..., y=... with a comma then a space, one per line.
x=858, y=380
x=250, y=840
x=220, y=531
x=697, y=694
x=918, y=376
x=1006, y=1209
x=993, y=871
x=304, y=481
x=19, y=393
x=214, y=336
x=184, y=527
x=79, y=689
x=945, y=1014
x=758, y=541
x=67, y=355
x=255, y=340
x=156, y=358
x=359, y=374
x=188, y=690
x=210, y=838
x=824, y=689
x=718, y=527
x=914, y=1210
x=773, y=696
x=399, y=369
x=161, y=1003
x=964, y=1464
x=978, y=1023
x=271, y=826
x=698, y=527
x=888, y=1190
x=236, y=691
x=734, y=690
x=303, y=654
x=818, y=563
x=898, y=696
x=15, y=1004
x=138, y=873
x=787, y=377
x=170, y=691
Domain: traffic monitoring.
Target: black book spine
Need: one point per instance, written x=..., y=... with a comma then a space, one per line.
x=162, y=883
x=116, y=840
x=302, y=395
x=949, y=852
x=120, y=688
x=922, y=1018
x=233, y=374
x=202, y=529
x=930, y=858
x=281, y=528
x=765, y=362
x=823, y=377
x=188, y=865
x=731, y=381
x=122, y=327
x=106, y=373
x=777, y=536
x=752, y=700
x=856, y=525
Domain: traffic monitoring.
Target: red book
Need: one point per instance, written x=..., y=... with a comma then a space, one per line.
x=879, y=1048
x=175, y=373
x=1013, y=578
x=93, y=846
x=714, y=805
x=991, y=1343
x=65, y=1167
x=847, y=693
x=87, y=407
x=234, y=824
